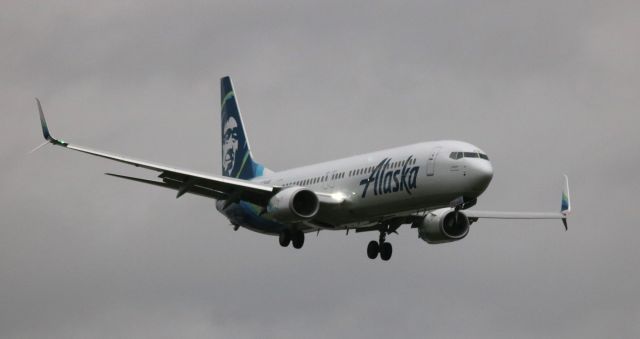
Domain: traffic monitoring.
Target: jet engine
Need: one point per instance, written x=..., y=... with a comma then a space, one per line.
x=293, y=204
x=443, y=225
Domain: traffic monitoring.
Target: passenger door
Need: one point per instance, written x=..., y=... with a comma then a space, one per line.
x=431, y=162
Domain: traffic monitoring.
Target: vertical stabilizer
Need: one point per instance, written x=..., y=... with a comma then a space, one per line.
x=237, y=161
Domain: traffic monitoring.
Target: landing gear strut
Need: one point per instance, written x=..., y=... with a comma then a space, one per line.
x=380, y=246
x=294, y=237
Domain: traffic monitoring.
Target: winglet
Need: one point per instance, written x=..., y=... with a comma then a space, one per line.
x=43, y=122
x=565, y=208
x=45, y=128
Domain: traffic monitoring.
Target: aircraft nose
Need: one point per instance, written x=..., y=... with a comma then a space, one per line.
x=481, y=174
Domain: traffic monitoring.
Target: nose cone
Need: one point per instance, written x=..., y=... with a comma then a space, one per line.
x=480, y=174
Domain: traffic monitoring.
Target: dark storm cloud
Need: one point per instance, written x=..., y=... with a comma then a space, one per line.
x=545, y=88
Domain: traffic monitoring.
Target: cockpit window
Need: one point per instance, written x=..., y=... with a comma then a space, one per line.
x=460, y=155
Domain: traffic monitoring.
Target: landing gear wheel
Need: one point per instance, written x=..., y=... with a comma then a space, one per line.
x=385, y=251
x=285, y=238
x=372, y=249
x=297, y=239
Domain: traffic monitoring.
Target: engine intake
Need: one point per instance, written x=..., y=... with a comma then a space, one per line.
x=293, y=204
x=443, y=225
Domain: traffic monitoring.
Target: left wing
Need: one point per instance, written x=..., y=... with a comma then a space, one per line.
x=565, y=209
x=183, y=181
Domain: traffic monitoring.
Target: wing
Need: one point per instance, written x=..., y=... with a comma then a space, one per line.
x=565, y=209
x=181, y=180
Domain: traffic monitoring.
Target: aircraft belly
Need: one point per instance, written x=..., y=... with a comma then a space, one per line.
x=378, y=207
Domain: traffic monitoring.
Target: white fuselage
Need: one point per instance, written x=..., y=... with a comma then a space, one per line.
x=392, y=182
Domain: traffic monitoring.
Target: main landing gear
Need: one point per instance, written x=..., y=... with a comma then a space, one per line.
x=381, y=246
x=295, y=237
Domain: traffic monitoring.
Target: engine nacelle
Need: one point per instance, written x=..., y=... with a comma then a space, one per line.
x=293, y=204
x=442, y=226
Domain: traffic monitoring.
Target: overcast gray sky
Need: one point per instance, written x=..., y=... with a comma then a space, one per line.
x=545, y=87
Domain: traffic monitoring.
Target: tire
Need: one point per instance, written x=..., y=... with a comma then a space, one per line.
x=372, y=249
x=297, y=239
x=285, y=238
x=385, y=251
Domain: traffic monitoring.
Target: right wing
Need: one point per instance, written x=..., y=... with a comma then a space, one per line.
x=183, y=181
x=565, y=209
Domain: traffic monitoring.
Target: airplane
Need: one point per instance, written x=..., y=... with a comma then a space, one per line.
x=431, y=186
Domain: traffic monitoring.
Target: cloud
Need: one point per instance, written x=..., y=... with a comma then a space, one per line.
x=545, y=88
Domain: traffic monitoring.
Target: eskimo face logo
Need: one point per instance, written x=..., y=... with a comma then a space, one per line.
x=229, y=145
x=383, y=181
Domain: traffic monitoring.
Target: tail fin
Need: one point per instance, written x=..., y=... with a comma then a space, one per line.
x=237, y=161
